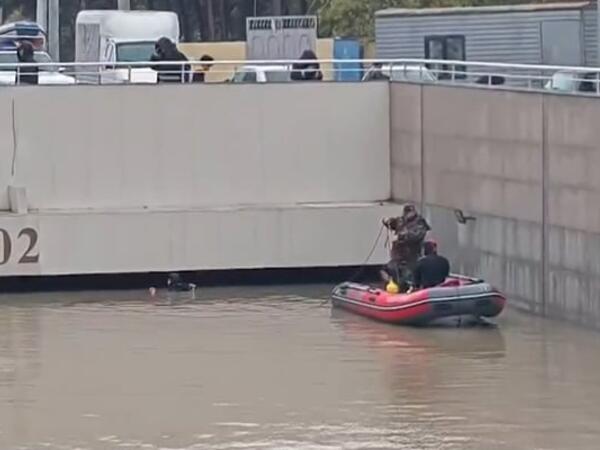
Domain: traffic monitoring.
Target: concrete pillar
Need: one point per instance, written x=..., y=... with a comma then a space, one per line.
x=42, y=14
x=124, y=4
x=47, y=16
x=54, y=29
x=598, y=32
x=17, y=197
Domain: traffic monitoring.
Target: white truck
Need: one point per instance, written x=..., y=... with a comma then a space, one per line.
x=114, y=36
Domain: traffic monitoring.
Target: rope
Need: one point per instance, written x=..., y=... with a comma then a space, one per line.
x=364, y=264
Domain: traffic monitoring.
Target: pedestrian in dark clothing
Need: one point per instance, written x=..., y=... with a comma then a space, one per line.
x=432, y=269
x=410, y=230
x=376, y=73
x=200, y=75
x=309, y=71
x=165, y=50
x=27, y=74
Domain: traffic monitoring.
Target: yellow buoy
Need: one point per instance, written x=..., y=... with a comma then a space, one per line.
x=392, y=288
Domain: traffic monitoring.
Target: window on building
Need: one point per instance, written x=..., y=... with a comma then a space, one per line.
x=446, y=47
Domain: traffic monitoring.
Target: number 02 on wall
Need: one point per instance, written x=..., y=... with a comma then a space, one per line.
x=7, y=244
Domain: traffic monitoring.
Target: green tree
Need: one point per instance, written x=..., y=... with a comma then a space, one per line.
x=14, y=10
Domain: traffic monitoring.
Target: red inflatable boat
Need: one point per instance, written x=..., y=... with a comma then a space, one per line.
x=457, y=297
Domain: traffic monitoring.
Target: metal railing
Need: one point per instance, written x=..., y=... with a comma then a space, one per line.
x=584, y=80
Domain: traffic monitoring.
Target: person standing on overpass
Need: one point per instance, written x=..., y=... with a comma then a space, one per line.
x=165, y=50
x=309, y=70
x=200, y=75
x=29, y=74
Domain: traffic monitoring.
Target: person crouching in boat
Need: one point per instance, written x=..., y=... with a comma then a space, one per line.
x=410, y=230
x=432, y=269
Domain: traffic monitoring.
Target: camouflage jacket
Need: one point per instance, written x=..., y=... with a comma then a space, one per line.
x=409, y=237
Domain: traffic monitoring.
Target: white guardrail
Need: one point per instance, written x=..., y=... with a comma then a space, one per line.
x=585, y=80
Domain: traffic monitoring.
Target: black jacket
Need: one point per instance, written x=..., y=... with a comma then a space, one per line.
x=308, y=71
x=29, y=74
x=431, y=270
x=167, y=52
x=172, y=73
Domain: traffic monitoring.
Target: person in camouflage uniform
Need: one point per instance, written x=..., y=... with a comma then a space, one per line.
x=410, y=230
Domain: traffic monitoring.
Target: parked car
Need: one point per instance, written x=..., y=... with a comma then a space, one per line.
x=48, y=75
x=569, y=81
x=402, y=72
x=262, y=74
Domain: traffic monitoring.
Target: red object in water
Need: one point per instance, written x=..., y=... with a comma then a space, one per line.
x=457, y=297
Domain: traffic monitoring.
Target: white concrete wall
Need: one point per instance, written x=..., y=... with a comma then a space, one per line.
x=102, y=147
x=573, y=218
x=218, y=238
x=406, y=146
x=6, y=145
x=157, y=178
x=524, y=164
x=480, y=151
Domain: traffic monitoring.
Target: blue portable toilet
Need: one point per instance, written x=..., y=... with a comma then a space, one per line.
x=347, y=48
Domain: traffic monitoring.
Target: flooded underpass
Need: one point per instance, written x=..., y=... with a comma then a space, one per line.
x=276, y=368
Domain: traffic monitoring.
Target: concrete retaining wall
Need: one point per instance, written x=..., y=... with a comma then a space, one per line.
x=406, y=148
x=85, y=242
x=195, y=146
x=523, y=165
x=573, y=214
x=158, y=178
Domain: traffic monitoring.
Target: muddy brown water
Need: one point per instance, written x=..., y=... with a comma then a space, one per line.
x=273, y=368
